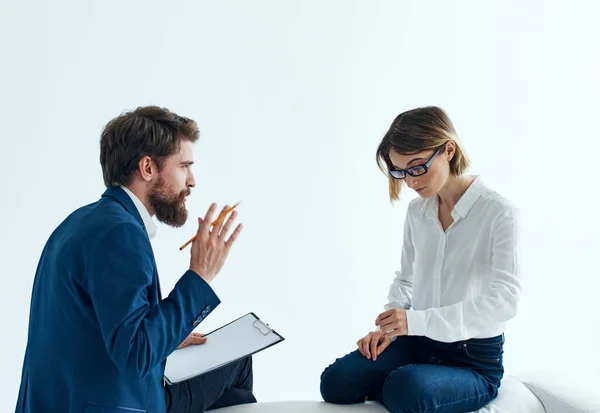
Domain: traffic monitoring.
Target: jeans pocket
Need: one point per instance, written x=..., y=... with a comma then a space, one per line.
x=487, y=353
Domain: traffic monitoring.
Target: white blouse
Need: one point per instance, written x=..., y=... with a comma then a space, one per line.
x=462, y=283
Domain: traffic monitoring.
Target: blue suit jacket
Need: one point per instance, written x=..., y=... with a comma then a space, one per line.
x=99, y=330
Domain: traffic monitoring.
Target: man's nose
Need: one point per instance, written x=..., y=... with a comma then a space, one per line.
x=191, y=181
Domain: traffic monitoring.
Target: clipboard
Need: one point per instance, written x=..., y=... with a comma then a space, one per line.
x=234, y=341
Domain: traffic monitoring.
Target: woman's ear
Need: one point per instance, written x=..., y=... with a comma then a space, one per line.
x=450, y=150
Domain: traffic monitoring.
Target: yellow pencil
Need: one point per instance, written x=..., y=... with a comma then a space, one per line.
x=215, y=222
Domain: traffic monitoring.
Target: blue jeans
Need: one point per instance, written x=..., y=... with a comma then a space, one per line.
x=229, y=385
x=417, y=374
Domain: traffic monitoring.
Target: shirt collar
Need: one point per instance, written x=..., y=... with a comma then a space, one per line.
x=471, y=195
x=464, y=204
x=146, y=217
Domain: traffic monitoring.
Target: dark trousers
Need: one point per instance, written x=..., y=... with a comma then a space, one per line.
x=227, y=386
x=417, y=374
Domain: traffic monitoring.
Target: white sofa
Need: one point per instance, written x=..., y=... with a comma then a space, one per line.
x=536, y=392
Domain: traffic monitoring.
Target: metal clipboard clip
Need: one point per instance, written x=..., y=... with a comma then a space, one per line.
x=262, y=327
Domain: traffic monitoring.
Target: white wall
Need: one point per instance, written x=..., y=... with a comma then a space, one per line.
x=292, y=99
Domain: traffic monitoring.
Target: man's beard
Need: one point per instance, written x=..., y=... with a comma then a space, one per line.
x=169, y=209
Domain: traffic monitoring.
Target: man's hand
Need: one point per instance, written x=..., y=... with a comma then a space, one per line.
x=373, y=344
x=193, y=339
x=211, y=248
x=393, y=322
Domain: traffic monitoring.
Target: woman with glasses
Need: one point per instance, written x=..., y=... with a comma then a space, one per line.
x=438, y=346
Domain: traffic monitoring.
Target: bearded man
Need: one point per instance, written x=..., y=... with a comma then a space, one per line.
x=100, y=330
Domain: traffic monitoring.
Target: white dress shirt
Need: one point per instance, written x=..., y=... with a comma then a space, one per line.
x=146, y=217
x=465, y=282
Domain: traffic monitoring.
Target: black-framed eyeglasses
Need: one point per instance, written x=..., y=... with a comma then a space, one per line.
x=416, y=170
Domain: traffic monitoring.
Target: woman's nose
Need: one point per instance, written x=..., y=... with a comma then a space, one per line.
x=411, y=182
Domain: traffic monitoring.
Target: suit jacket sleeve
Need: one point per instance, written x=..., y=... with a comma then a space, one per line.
x=137, y=334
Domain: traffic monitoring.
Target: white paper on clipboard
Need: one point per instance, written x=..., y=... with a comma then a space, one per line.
x=241, y=338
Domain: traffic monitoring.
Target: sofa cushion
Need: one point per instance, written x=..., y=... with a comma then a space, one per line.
x=513, y=397
x=303, y=406
x=565, y=393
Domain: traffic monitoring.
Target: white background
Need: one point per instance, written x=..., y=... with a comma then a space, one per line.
x=292, y=99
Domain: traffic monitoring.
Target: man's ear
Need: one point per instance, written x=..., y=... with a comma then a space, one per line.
x=147, y=168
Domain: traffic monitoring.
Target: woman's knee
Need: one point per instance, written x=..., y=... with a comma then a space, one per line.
x=333, y=385
x=337, y=385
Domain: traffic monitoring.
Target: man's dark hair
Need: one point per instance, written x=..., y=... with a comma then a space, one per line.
x=147, y=131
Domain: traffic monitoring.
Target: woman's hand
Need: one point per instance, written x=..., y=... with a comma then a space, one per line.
x=393, y=322
x=373, y=344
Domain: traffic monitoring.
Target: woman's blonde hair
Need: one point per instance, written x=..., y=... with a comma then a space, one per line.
x=418, y=130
